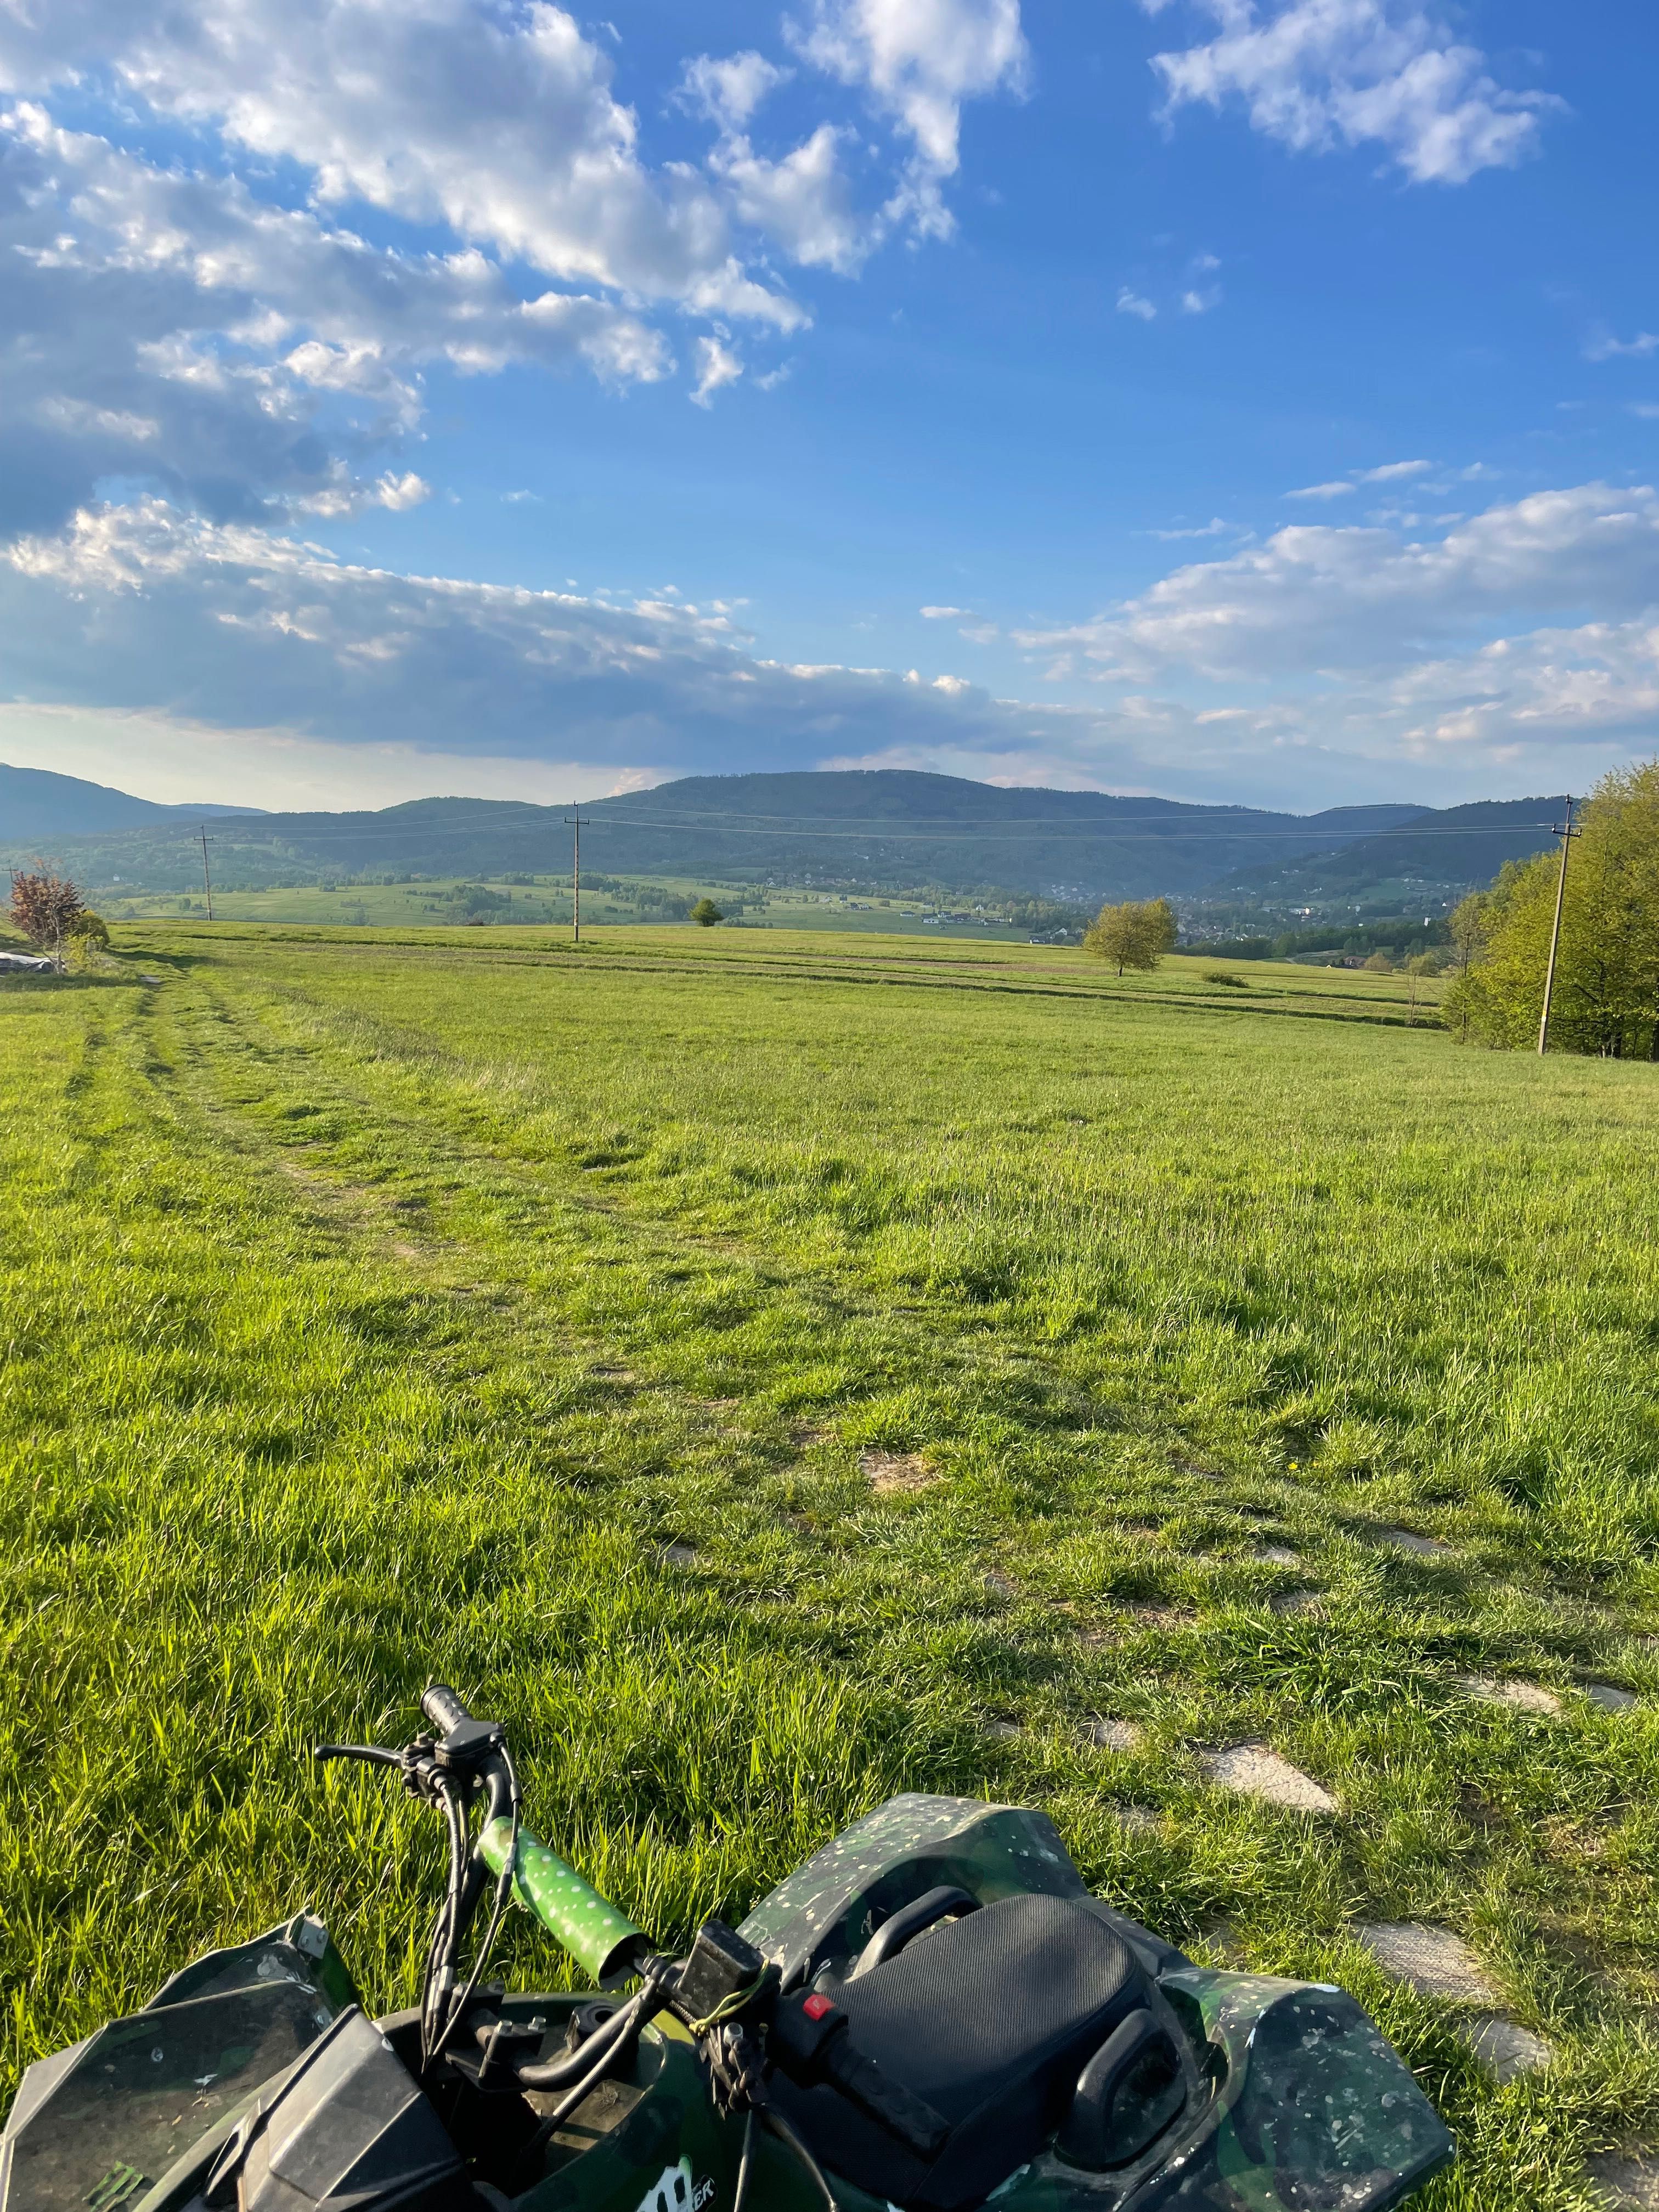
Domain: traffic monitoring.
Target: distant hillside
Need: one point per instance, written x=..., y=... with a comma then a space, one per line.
x=884, y=827
x=35, y=803
x=1446, y=851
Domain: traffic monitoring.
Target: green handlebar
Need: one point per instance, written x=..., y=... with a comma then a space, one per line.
x=573, y=1912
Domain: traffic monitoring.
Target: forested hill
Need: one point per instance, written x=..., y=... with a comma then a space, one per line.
x=881, y=826
x=36, y=802
x=1451, y=849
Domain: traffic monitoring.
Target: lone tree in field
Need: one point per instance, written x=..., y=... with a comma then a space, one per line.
x=706, y=913
x=44, y=906
x=1135, y=935
x=1606, y=976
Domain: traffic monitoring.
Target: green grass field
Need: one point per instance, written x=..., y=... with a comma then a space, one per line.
x=429, y=904
x=463, y=1305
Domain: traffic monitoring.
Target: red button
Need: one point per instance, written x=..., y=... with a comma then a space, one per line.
x=817, y=2005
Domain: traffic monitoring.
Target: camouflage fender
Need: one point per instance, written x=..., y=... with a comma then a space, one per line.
x=829, y=1907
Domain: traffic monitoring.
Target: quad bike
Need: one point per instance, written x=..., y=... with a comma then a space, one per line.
x=931, y=2013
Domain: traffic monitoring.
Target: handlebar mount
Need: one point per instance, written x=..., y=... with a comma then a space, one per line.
x=724, y=1992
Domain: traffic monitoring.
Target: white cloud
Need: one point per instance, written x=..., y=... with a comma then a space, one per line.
x=504, y=127
x=494, y=129
x=1131, y=303
x=943, y=614
x=717, y=365
x=1199, y=303
x=728, y=91
x=170, y=327
x=401, y=492
x=1317, y=74
x=919, y=61
x=1319, y=596
x=1332, y=490
x=803, y=201
x=1214, y=528
x=1394, y=472
x=1601, y=345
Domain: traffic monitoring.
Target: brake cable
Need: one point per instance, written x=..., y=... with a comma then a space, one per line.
x=503, y=1890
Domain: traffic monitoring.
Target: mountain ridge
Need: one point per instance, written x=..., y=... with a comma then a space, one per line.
x=890, y=825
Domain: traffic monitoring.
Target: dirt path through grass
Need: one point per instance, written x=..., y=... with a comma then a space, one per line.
x=389, y=1339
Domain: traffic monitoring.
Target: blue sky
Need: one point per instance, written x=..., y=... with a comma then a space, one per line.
x=1237, y=401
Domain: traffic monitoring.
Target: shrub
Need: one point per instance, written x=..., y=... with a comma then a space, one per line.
x=44, y=906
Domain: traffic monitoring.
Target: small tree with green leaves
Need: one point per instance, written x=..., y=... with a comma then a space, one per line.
x=706, y=913
x=1134, y=935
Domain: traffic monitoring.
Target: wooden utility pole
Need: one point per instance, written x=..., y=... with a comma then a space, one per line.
x=1566, y=833
x=575, y=822
x=207, y=883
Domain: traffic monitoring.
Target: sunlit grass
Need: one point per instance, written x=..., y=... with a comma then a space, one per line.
x=378, y=1309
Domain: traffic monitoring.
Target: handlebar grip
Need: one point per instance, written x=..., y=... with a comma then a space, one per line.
x=809, y=2040
x=443, y=1708
x=887, y=2102
x=573, y=1912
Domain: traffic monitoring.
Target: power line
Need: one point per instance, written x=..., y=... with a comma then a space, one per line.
x=884, y=834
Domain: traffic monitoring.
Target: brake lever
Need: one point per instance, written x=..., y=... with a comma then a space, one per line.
x=371, y=1754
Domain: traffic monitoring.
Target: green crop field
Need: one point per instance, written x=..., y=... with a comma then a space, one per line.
x=431, y=902
x=772, y=1371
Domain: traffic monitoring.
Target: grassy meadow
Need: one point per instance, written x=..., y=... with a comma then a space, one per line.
x=772, y=1371
x=430, y=903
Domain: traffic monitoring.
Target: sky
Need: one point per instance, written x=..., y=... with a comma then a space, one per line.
x=1242, y=400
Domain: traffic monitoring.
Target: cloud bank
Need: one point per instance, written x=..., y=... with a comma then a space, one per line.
x=1521, y=638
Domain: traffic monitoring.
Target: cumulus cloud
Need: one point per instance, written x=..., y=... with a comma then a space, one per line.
x=802, y=202
x=942, y=614
x=170, y=327
x=1131, y=303
x=1316, y=596
x=293, y=342
x=505, y=128
x=1319, y=74
x=919, y=61
x=728, y=91
x=1332, y=490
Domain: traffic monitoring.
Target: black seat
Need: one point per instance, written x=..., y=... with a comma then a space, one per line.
x=989, y=2019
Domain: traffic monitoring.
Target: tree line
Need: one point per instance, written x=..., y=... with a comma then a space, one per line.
x=1605, y=998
